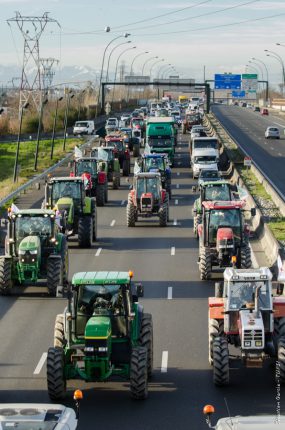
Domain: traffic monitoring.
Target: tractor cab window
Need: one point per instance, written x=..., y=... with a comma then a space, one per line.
x=117, y=144
x=154, y=164
x=217, y=192
x=149, y=185
x=102, y=154
x=32, y=226
x=86, y=167
x=218, y=218
x=97, y=298
x=66, y=189
x=242, y=293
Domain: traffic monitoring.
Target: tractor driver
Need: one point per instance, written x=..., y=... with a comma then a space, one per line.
x=67, y=190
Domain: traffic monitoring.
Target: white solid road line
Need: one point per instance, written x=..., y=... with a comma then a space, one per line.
x=113, y=223
x=175, y=222
x=169, y=293
x=40, y=363
x=177, y=185
x=178, y=173
x=278, y=123
x=176, y=202
x=98, y=252
x=123, y=202
x=279, y=153
x=172, y=252
x=164, y=361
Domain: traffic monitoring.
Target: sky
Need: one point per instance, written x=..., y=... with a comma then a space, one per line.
x=222, y=35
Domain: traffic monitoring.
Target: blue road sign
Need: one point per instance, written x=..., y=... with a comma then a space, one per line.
x=238, y=94
x=227, y=82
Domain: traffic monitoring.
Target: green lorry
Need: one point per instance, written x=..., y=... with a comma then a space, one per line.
x=161, y=137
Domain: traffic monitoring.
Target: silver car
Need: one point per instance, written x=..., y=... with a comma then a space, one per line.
x=272, y=132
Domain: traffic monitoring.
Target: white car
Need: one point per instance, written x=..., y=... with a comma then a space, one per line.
x=272, y=132
x=125, y=116
x=112, y=122
x=205, y=158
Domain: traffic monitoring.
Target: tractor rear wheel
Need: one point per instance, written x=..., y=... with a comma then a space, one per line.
x=205, y=263
x=279, y=330
x=136, y=150
x=126, y=167
x=221, y=373
x=245, y=257
x=56, y=382
x=94, y=220
x=64, y=259
x=281, y=360
x=59, y=339
x=55, y=274
x=219, y=289
x=196, y=221
x=85, y=232
x=5, y=275
x=106, y=193
x=215, y=329
x=166, y=202
x=138, y=373
x=100, y=194
x=116, y=182
x=131, y=214
x=163, y=215
x=146, y=340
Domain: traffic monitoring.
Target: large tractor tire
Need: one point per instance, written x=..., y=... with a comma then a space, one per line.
x=215, y=329
x=245, y=257
x=131, y=214
x=106, y=193
x=56, y=382
x=136, y=150
x=59, y=338
x=85, y=232
x=221, y=368
x=100, y=195
x=281, y=361
x=219, y=289
x=94, y=220
x=205, y=263
x=55, y=275
x=183, y=129
x=5, y=275
x=64, y=259
x=279, y=331
x=138, y=373
x=163, y=215
x=116, y=182
x=126, y=167
x=196, y=221
x=166, y=202
x=146, y=340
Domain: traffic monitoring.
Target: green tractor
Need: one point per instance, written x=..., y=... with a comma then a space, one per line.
x=108, y=155
x=102, y=333
x=35, y=249
x=212, y=191
x=76, y=212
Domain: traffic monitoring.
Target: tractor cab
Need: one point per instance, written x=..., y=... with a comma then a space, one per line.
x=148, y=189
x=157, y=163
x=121, y=151
x=107, y=155
x=94, y=174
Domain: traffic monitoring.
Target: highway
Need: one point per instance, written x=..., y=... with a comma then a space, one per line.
x=165, y=261
x=247, y=128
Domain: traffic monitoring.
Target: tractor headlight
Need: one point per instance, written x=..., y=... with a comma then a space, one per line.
x=247, y=343
x=89, y=349
x=258, y=343
x=22, y=252
x=102, y=349
x=33, y=252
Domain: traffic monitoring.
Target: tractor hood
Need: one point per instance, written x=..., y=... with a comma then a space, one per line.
x=98, y=327
x=64, y=202
x=30, y=243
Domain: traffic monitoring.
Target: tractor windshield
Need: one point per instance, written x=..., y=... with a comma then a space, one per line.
x=148, y=185
x=91, y=297
x=102, y=154
x=218, y=218
x=217, y=192
x=154, y=164
x=86, y=167
x=116, y=144
x=66, y=189
x=32, y=226
x=241, y=293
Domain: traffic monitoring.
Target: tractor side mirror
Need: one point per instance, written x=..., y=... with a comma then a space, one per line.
x=194, y=189
x=69, y=164
x=253, y=211
x=280, y=289
x=59, y=291
x=4, y=222
x=139, y=290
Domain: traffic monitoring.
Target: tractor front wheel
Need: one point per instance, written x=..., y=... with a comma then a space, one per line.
x=163, y=215
x=205, y=263
x=54, y=275
x=136, y=150
x=146, y=340
x=215, y=329
x=59, y=339
x=85, y=232
x=221, y=368
x=197, y=220
x=64, y=259
x=126, y=167
x=138, y=373
x=5, y=275
x=94, y=220
x=56, y=382
x=116, y=182
x=245, y=257
x=100, y=194
x=281, y=361
x=106, y=193
x=131, y=215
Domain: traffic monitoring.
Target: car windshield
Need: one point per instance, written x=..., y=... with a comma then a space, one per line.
x=241, y=293
x=29, y=425
x=147, y=185
x=86, y=167
x=224, y=218
x=154, y=163
x=66, y=189
x=205, y=143
x=217, y=192
x=32, y=225
x=159, y=142
x=205, y=159
x=81, y=124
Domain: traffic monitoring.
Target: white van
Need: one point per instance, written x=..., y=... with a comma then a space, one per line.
x=205, y=142
x=83, y=127
x=205, y=158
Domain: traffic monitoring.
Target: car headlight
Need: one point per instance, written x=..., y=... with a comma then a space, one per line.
x=33, y=252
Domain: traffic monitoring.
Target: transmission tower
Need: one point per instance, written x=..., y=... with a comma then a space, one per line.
x=48, y=73
x=32, y=28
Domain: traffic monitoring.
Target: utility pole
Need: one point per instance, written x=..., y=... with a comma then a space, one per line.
x=48, y=73
x=32, y=28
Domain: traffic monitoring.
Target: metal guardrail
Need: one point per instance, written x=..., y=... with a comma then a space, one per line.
x=37, y=178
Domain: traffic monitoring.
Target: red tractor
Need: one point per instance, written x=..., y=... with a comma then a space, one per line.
x=223, y=237
x=192, y=118
x=121, y=151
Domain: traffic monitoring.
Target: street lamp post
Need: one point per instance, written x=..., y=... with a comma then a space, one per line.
x=253, y=68
x=167, y=71
x=131, y=70
x=117, y=62
x=154, y=64
x=115, y=47
x=259, y=68
x=69, y=97
x=18, y=141
x=278, y=58
x=149, y=59
x=162, y=67
x=267, y=76
x=54, y=127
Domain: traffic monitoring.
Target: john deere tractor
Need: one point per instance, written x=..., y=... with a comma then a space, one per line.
x=34, y=250
x=156, y=163
x=223, y=237
x=107, y=154
x=245, y=314
x=102, y=333
x=212, y=191
x=147, y=199
x=76, y=212
x=94, y=174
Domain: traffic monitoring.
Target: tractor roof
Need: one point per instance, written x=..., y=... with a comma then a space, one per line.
x=66, y=179
x=34, y=212
x=85, y=159
x=234, y=204
x=262, y=273
x=207, y=182
x=105, y=148
x=148, y=175
x=161, y=155
x=99, y=278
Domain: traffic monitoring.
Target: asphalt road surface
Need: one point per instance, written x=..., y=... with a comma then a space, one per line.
x=165, y=261
x=247, y=128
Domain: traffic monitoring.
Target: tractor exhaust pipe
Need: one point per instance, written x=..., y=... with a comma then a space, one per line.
x=256, y=302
